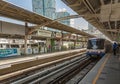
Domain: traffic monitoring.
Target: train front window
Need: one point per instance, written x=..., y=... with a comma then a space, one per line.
x=96, y=44
x=100, y=43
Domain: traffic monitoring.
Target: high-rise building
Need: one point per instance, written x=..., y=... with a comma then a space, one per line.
x=63, y=14
x=47, y=8
x=37, y=6
x=44, y=7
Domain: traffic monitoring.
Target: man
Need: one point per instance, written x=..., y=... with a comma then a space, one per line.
x=114, y=48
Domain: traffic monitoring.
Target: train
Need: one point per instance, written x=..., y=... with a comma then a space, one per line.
x=98, y=47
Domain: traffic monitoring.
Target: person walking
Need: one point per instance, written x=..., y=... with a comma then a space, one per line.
x=115, y=48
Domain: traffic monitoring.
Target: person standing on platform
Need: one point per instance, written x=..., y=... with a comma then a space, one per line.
x=115, y=46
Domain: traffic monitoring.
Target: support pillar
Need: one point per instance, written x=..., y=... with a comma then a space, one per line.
x=26, y=38
x=86, y=40
x=69, y=41
x=25, y=45
x=9, y=44
x=75, y=41
x=61, y=41
x=82, y=42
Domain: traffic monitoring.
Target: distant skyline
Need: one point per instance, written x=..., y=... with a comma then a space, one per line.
x=27, y=4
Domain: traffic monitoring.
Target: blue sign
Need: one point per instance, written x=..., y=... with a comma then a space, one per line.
x=8, y=52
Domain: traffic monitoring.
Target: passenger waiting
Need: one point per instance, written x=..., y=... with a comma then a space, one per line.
x=115, y=46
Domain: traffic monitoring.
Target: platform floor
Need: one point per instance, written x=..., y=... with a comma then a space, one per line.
x=106, y=71
x=111, y=72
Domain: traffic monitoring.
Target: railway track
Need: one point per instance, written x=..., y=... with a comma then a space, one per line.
x=82, y=73
x=9, y=78
x=46, y=79
x=80, y=70
x=61, y=73
x=69, y=74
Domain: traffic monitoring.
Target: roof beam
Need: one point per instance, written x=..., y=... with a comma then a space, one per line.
x=3, y=6
x=113, y=30
x=74, y=5
x=116, y=1
x=110, y=29
x=118, y=33
x=102, y=2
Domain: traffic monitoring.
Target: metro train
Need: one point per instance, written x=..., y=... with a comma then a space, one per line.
x=98, y=47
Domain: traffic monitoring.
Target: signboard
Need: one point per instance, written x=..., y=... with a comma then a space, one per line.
x=3, y=41
x=9, y=52
x=58, y=35
x=44, y=33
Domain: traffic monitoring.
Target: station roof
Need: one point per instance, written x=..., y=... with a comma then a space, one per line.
x=11, y=11
x=103, y=14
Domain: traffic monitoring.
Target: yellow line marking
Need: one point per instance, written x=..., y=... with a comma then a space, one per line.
x=100, y=70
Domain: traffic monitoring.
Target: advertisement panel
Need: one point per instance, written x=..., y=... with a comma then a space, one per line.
x=9, y=52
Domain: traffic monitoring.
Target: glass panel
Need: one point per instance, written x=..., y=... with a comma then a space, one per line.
x=96, y=44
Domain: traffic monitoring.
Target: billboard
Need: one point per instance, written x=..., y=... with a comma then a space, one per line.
x=9, y=52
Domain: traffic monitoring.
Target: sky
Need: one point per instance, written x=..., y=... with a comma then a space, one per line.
x=27, y=4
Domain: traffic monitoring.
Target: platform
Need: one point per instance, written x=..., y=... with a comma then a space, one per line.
x=106, y=71
x=16, y=60
x=16, y=66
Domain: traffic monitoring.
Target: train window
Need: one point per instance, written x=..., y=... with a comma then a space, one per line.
x=95, y=44
x=100, y=43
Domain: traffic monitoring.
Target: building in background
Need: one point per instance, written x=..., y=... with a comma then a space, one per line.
x=44, y=7
x=37, y=6
x=48, y=8
x=63, y=14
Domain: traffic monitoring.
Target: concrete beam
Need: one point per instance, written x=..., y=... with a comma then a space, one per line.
x=105, y=12
x=74, y=5
x=113, y=30
x=102, y=2
x=116, y=1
